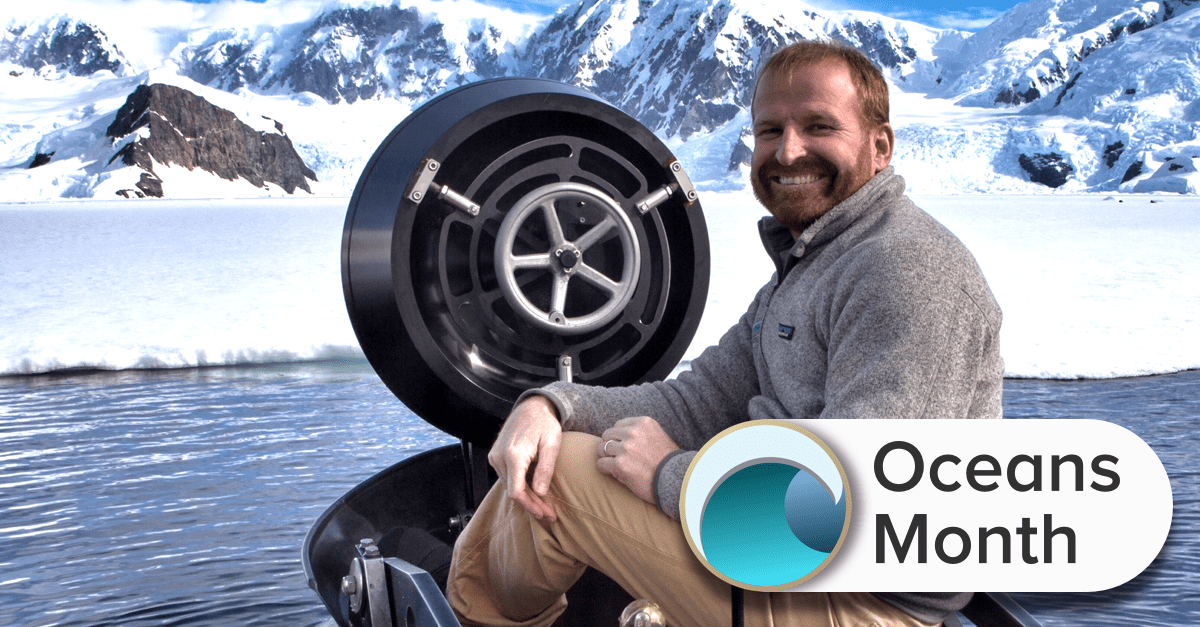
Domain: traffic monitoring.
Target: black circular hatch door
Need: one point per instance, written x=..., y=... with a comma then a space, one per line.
x=514, y=232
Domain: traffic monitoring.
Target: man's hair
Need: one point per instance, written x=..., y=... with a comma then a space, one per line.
x=868, y=80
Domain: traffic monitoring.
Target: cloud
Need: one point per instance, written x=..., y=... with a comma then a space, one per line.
x=539, y=7
x=967, y=18
x=837, y=5
x=973, y=21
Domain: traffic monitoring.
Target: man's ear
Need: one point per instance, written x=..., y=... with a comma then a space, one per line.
x=883, y=140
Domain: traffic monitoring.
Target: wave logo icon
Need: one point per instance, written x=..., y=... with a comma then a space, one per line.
x=765, y=505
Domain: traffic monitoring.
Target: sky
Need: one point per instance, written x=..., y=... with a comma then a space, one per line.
x=967, y=15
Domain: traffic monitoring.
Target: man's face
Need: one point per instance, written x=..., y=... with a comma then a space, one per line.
x=812, y=148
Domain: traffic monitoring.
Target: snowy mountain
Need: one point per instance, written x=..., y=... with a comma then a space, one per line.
x=64, y=43
x=348, y=54
x=1056, y=94
x=1104, y=93
x=687, y=67
x=691, y=64
x=1040, y=45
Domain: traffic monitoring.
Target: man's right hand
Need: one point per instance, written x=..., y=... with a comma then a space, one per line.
x=530, y=437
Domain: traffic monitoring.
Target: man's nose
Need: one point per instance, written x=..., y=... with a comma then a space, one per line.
x=791, y=147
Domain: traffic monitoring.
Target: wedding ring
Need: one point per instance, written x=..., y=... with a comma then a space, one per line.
x=606, y=443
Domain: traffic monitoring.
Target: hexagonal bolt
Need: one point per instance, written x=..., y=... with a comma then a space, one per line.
x=368, y=547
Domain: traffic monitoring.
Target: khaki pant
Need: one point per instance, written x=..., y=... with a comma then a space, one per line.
x=511, y=569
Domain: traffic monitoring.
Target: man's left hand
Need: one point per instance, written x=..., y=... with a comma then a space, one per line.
x=635, y=447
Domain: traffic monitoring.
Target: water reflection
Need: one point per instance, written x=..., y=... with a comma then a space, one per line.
x=1164, y=411
x=182, y=497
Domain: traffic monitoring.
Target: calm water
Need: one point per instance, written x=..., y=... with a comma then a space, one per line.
x=183, y=497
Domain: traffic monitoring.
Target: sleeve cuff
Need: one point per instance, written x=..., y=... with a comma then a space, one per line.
x=559, y=407
x=668, y=481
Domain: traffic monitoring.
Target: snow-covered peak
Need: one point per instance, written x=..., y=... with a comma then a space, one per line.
x=61, y=43
x=1148, y=73
x=1038, y=45
x=688, y=66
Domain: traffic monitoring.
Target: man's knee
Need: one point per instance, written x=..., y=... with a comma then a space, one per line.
x=579, y=483
x=576, y=458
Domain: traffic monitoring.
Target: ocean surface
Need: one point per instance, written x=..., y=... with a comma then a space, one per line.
x=182, y=497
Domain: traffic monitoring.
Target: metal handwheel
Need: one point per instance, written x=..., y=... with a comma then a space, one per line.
x=555, y=204
x=514, y=232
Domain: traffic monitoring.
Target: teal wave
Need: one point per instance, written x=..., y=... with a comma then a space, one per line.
x=745, y=532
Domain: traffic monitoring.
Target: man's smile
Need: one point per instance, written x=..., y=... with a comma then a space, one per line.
x=803, y=179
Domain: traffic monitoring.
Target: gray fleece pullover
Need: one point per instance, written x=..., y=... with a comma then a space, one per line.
x=876, y=311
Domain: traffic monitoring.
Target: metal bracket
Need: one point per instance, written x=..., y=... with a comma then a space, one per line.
x=366, y=584
x=425, y=184
x=416, y=600
x=684, y=182
x=393, y=589
x=428, y=168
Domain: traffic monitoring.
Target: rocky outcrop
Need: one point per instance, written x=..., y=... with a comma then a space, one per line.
x=741, y=154
x=1113, y=152
x=1135, y=170
x=40, y=159
x=169, y=125
x=1049, y=169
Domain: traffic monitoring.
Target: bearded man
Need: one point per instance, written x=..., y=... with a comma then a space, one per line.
x=888, y=316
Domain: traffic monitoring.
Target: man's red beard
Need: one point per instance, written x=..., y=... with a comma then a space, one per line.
x=796, y=207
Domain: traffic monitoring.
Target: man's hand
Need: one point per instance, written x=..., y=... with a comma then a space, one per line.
x=529, y=438
x=635, y=446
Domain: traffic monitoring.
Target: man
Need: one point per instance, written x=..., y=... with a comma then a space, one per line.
x=875, y=311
